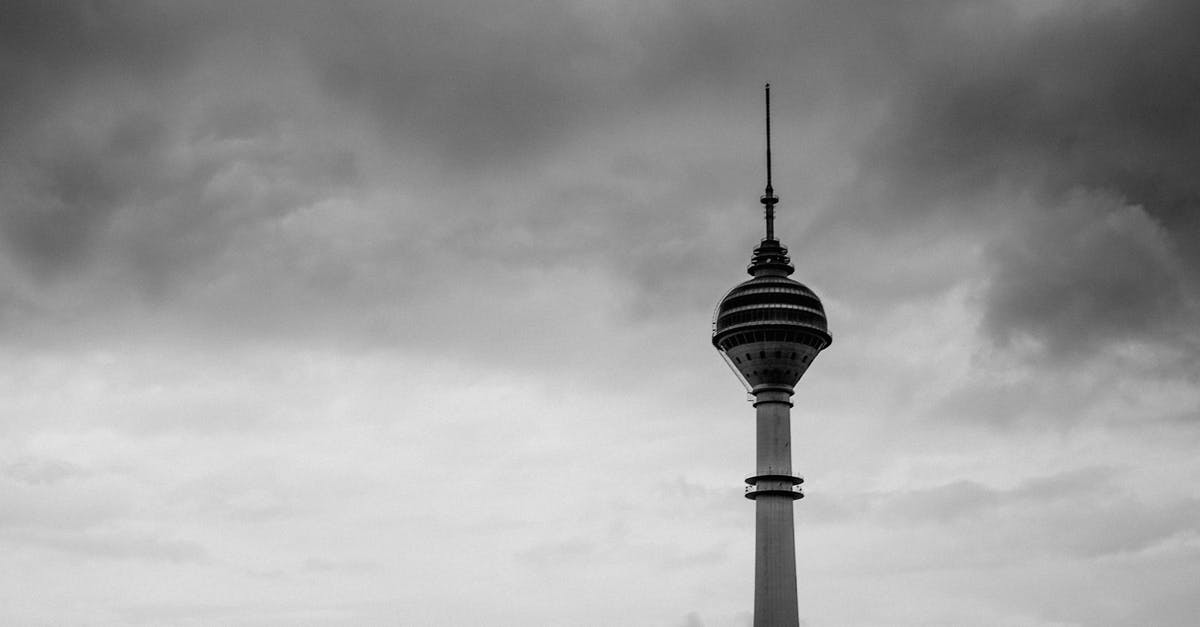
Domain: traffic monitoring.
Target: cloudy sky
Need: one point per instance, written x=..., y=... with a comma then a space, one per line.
x=398, y=313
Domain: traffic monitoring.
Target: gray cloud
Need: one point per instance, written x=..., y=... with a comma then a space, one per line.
x=493, y=94
x=478, y=86
x=558, y=553
x=1089, y=273
x=33, y=471
x=677, y=558
x=62, y=507
x=48, y=50
x=180, y=199
x=350, y=566
x=116, y=545
x=72, y=188
x=297, y=268
x=1077, y=105
x=68, y=508
x=1083, y=513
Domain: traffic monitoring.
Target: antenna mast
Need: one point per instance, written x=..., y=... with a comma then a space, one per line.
x=768, y=200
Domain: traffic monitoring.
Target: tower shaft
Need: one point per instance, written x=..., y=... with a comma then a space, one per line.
x=775, y=602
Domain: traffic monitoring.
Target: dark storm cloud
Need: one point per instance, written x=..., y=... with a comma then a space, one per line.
x=478, y=85
x=1080, y=103
x=481, y=104
x=47, y=48
x=64, y=195
x=127, y=177
x=1094, y=95
x=101, y=152
x=500, y=83
x=69, y=165
x=134, y=173
x=72, y=188
x=1089, y=272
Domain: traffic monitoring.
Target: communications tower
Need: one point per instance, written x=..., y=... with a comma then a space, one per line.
x=769, y=329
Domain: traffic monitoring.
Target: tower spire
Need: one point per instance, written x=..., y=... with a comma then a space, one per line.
x=768, y=200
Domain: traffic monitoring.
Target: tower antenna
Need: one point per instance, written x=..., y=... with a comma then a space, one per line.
x=768, y=200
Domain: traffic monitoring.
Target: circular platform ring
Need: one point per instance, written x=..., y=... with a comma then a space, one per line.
x=795, y=480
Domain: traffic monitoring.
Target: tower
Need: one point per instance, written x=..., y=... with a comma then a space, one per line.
x=769, y=329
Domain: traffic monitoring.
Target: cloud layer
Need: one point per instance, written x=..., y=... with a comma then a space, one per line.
x=343, y=315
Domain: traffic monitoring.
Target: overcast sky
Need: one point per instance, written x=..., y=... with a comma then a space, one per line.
x=398, y=313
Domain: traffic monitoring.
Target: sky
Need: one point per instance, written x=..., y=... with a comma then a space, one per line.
x=398, y=313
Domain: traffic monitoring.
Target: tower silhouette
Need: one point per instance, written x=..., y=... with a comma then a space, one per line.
x=769, y=329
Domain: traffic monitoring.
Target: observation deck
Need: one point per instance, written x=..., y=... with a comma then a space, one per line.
x=779, y=485
x=770, y=327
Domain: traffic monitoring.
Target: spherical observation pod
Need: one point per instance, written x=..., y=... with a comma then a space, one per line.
x=770, y=327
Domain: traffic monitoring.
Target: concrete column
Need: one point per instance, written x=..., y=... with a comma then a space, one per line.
x=775, y=603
